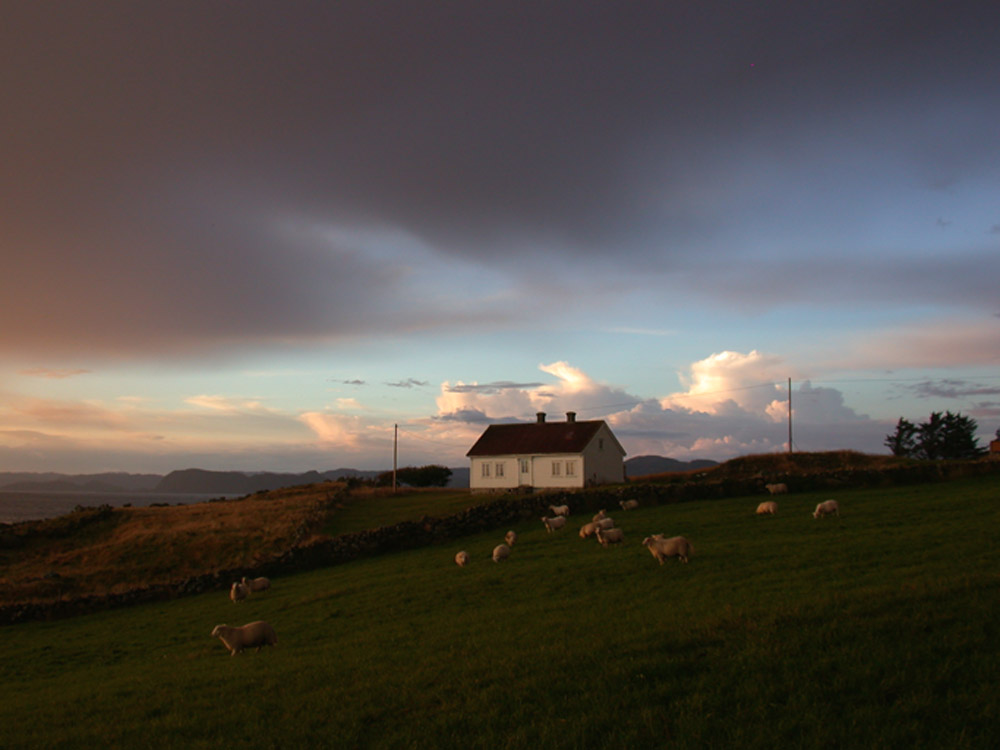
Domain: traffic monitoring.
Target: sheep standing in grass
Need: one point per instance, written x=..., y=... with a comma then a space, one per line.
x=559, y=510
x=252, y=634
x=510, y=537
x=462, y=558
x=588, y=530
x=767, y=508
x=675, y=546
x=610, y=536
x=257, y=584
x=827, y=508
x=599, y=515
x=629, y=504
x=238, y=591
x=777, y=489
x=501, y=552
x=553, y=524
x=605, y=523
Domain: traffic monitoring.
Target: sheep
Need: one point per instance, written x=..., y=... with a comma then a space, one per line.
x=605, y=523
x=675, y=546
x=252, y=634
x=559, y=510
x=257, y=584
x=629, y=504
x=599, y=515
x=553, y=524
x=777, y=489
x=588, y=530
x=826, y=508
x=500, y=553
x=767, y=508
x=610, y=536
x=462, y=558
x=510, y=537
x=238, y=592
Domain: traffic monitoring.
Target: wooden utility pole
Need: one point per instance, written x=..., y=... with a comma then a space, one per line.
x=789, y=415
x=395, y=453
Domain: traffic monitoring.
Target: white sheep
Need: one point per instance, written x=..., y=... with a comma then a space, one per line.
x=777, y=489
x=559, y=510
x=510, y=537
x=238, y=592
x=599, y=515
x=588, y=530
x=257, y=584
x=675, y=546
x=553, y=524
x=252, y=634
x=629, y=504
x=501, y=552
x=610, y=536
x=462, y=558
x=605, y=523
x=767, y=508
x=826, y=508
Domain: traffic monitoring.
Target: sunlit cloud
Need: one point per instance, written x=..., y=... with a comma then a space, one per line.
x=52, y=373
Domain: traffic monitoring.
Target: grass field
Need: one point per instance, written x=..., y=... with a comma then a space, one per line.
x=874, y=630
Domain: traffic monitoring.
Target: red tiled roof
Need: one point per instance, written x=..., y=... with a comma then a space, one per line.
x=535, y=438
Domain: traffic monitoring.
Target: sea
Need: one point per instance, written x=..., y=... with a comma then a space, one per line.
x=35, y=506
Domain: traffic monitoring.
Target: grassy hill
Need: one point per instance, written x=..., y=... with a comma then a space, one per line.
x=877, y=629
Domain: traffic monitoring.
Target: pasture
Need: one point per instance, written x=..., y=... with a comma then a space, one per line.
x=875, y=629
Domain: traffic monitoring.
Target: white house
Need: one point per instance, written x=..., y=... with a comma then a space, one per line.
x=546, y=455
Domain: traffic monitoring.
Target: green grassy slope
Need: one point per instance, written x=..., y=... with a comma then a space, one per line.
x=877, y=629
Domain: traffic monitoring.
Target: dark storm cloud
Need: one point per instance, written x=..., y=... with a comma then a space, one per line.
x=953, y=388
x=147, y=145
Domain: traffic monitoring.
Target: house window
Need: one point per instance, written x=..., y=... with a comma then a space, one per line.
x=571, y=468
x=556, y=468
x=525, y=468
x=499, y=470
x=486, y=469
x=600, y=444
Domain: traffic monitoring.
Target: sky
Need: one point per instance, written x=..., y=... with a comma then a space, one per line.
x=284, y=236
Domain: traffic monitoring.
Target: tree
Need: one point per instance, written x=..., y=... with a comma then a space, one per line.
x=903, y=441
x=945, y=435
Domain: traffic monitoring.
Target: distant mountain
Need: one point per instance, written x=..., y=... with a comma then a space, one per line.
x=203, y=481
x=641, y=466
x=11, y=481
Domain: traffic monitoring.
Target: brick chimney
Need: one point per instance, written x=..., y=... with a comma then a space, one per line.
x=541, y=417
x=571, y=416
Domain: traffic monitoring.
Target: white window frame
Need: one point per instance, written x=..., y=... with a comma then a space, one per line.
x=571, y=468
x=499, y=471
x=556, y=468
x=524, y=465
x=486, y=470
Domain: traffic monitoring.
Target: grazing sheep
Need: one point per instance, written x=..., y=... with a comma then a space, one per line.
x=767, y=508
x=553, y=524
x=629, y=504
x=599, y=515
x=238, y=592
x=610, y=536
x=777, y=489
x=559, y=510
x=257, y=584
x=826, y=508
x=675, y=546
x=501, y=552
x=462, y=558
x=588, y=530
x=605, y=523
x=252, y=634
x=510, y=537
